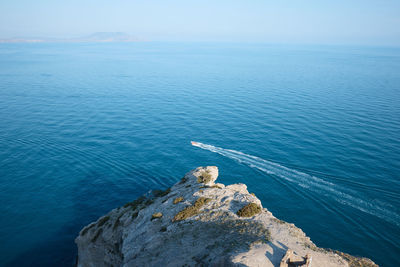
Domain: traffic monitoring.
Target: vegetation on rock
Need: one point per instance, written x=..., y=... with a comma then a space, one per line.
x=201, y=201
x=156, y=215
x=103, y=220
x=249, y=210
x=134, y=204
x=161, y=193
x=191, y=210
x=177, y=200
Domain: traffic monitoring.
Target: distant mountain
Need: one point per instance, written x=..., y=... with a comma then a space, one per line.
x=22, y=40
x=107, y=37
x=98, y=37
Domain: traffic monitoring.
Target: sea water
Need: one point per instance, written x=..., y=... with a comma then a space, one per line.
x=314, y=132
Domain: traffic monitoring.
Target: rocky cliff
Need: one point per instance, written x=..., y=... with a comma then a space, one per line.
x=198, y=222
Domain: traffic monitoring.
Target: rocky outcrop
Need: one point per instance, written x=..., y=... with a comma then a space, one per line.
x=198, y=222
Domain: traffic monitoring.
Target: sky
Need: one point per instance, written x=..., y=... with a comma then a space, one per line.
x=369, y=22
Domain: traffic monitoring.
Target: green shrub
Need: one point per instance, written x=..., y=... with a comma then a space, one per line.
x=201, y=201
x=191, y=210
x=249, y=210
x=186, y=213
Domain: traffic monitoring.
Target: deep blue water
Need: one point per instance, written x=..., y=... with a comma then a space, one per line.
x=85, y=128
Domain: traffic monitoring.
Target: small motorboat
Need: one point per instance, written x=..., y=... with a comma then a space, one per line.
x=194, y=143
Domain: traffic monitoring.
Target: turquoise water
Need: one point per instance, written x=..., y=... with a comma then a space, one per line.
x=312, y=130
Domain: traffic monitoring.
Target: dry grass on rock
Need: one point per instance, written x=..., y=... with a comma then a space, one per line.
x=190, y=211
x=249, y=210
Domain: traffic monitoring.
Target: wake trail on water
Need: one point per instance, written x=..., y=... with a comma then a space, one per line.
x=309, y=182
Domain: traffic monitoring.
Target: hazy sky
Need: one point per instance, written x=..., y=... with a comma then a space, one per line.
x=284, y=21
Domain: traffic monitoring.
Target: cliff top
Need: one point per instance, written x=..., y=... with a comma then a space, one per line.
x=198, y=222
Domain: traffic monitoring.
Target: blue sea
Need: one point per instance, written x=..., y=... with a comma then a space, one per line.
x=314, y=132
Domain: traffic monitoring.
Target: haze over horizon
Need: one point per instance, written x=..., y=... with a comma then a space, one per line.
x=366, y=22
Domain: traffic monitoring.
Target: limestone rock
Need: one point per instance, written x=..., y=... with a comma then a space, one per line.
x=209, y=232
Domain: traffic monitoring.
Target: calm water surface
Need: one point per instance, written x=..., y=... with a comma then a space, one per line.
x=85, y=128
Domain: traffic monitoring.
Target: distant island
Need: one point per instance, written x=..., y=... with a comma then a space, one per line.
x=98, y=37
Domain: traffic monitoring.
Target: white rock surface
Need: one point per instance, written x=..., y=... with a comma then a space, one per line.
x=214, y=236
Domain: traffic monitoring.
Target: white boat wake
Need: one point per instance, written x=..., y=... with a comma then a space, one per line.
x=336, y=192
